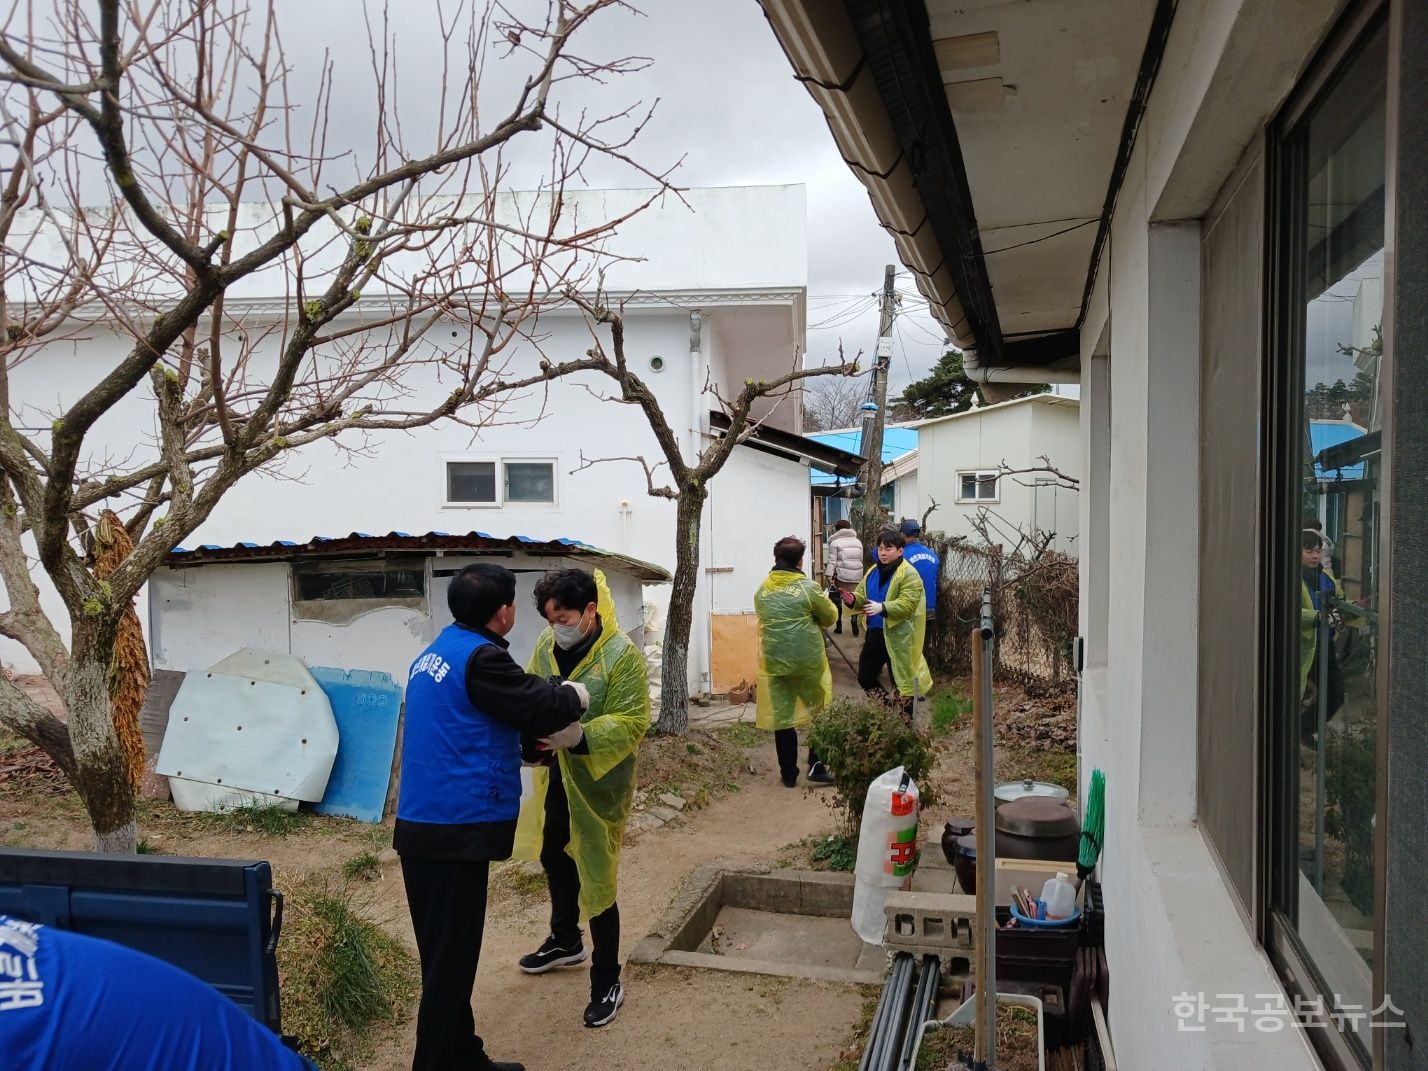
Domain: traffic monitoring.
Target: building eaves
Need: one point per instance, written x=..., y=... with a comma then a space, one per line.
x=362, y=543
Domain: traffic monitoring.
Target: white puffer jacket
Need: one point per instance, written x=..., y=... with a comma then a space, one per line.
x=845, y=557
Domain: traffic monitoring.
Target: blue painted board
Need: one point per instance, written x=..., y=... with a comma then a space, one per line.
x=367, y=705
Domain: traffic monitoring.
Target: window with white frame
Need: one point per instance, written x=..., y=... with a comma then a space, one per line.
x=977, y=485
x=500, y=481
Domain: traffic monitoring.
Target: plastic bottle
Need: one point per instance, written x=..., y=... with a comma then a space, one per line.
x=887, y=849
x=1059, y=896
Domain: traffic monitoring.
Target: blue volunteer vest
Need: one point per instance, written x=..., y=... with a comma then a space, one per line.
x=458, y=764
x=877, y=591
x=925, y=562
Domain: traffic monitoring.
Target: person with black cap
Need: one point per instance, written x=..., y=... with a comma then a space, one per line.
x=922, y=558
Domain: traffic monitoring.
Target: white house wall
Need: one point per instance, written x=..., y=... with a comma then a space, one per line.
x=1179, y=929
x=1017, y=434
x=757, y=500
x=734, y=239
x=202, y=615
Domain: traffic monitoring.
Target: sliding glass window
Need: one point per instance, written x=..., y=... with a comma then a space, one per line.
x=1323, y=533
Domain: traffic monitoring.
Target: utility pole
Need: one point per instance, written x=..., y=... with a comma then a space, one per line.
x=871, y=439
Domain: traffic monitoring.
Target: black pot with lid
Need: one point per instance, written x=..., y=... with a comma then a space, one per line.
x=1036, y=827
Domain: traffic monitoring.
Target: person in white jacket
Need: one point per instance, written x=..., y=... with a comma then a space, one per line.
x=845, y=566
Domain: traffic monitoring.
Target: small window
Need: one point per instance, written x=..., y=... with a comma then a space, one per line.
x=372, y=579
x=977, y=486
x=530, y=481
x=471, y=481
x=499, y=482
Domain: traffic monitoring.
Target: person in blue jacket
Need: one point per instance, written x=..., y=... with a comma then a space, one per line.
x=467, y=705
x=922, y=558
x=71, y=1002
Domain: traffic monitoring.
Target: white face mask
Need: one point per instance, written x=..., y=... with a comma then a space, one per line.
x=568, y=637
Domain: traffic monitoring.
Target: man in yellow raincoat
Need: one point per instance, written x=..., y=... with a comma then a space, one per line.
x=794, y=681
x=891, y=597
x=591, y=783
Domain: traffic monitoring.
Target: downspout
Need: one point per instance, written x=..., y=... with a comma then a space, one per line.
x=1000, y=384
x=698, y=373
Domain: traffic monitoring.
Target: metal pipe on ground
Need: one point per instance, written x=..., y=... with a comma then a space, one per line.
x=923, y=999
x=899, y=992
x=893, y=1031
x=884, y=1010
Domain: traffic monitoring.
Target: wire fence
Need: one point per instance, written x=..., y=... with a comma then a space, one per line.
x=1034, y=607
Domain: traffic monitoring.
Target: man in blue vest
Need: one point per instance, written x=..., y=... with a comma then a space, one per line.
x=922, y=558
x=467, y=705
x=70, y=1002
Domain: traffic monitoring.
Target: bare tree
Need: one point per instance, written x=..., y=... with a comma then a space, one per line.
x=687, y=482
x=833, y=403
x=166, y=200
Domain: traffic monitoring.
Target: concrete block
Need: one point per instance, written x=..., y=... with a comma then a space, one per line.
x=935, y=923
x=669, y=799
x=664, y=814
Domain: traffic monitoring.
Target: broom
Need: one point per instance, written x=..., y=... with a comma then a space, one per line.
x=1093, y=828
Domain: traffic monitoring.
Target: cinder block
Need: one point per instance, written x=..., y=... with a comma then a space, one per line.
x=932, y=923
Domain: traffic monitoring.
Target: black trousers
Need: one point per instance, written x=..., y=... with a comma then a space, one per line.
x=871, y=661
x=786, y=745
x=447, y=901
x=564, y=880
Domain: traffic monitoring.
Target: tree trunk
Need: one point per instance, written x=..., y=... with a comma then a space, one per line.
x=101, y=777
x=674, y=677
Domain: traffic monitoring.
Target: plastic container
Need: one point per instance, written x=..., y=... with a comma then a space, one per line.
x=1044, y=923
x=1059, y=896
x=887, y=849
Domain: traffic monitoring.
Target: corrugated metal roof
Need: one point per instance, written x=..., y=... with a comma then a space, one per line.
x=1326, y=433
x=897, y=442
x=362, y=542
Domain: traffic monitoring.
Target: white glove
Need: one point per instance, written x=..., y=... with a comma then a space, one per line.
x=581, y=691
x=568, y=737
x=870, y=608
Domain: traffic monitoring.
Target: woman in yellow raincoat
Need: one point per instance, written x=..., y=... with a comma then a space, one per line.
x=794, y=681
x=890, y=595
x=577, y=814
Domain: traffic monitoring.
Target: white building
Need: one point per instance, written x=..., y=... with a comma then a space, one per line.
x=1201, y=212
x=714, y=293
x=961, y=460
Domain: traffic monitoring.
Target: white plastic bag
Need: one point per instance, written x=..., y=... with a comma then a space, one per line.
x=887, y=849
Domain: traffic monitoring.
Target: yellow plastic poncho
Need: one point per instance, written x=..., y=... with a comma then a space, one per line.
x=1309, y=625
x=904, y=627
x=601, y=785
x=794, y=680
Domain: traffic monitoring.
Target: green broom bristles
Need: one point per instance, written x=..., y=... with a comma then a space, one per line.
x=1093, y=828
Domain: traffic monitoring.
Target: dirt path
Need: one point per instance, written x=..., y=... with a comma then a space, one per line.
x=673, y=1017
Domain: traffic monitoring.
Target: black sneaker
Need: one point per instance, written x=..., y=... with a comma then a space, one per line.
x=818, y=774
x=604, y=1004
x=499, y=1065
x=554, y=953
x=789, y=780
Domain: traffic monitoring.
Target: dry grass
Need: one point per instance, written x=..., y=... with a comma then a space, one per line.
x=1016, y=1042
x=341, y=974
x=698, y=768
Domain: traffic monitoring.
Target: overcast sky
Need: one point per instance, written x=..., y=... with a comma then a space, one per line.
x=728, y=104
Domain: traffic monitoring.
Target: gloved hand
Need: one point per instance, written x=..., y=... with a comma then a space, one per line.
x=846, y=596
x=872, y=608
x=581, y=691
x=568, y=737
